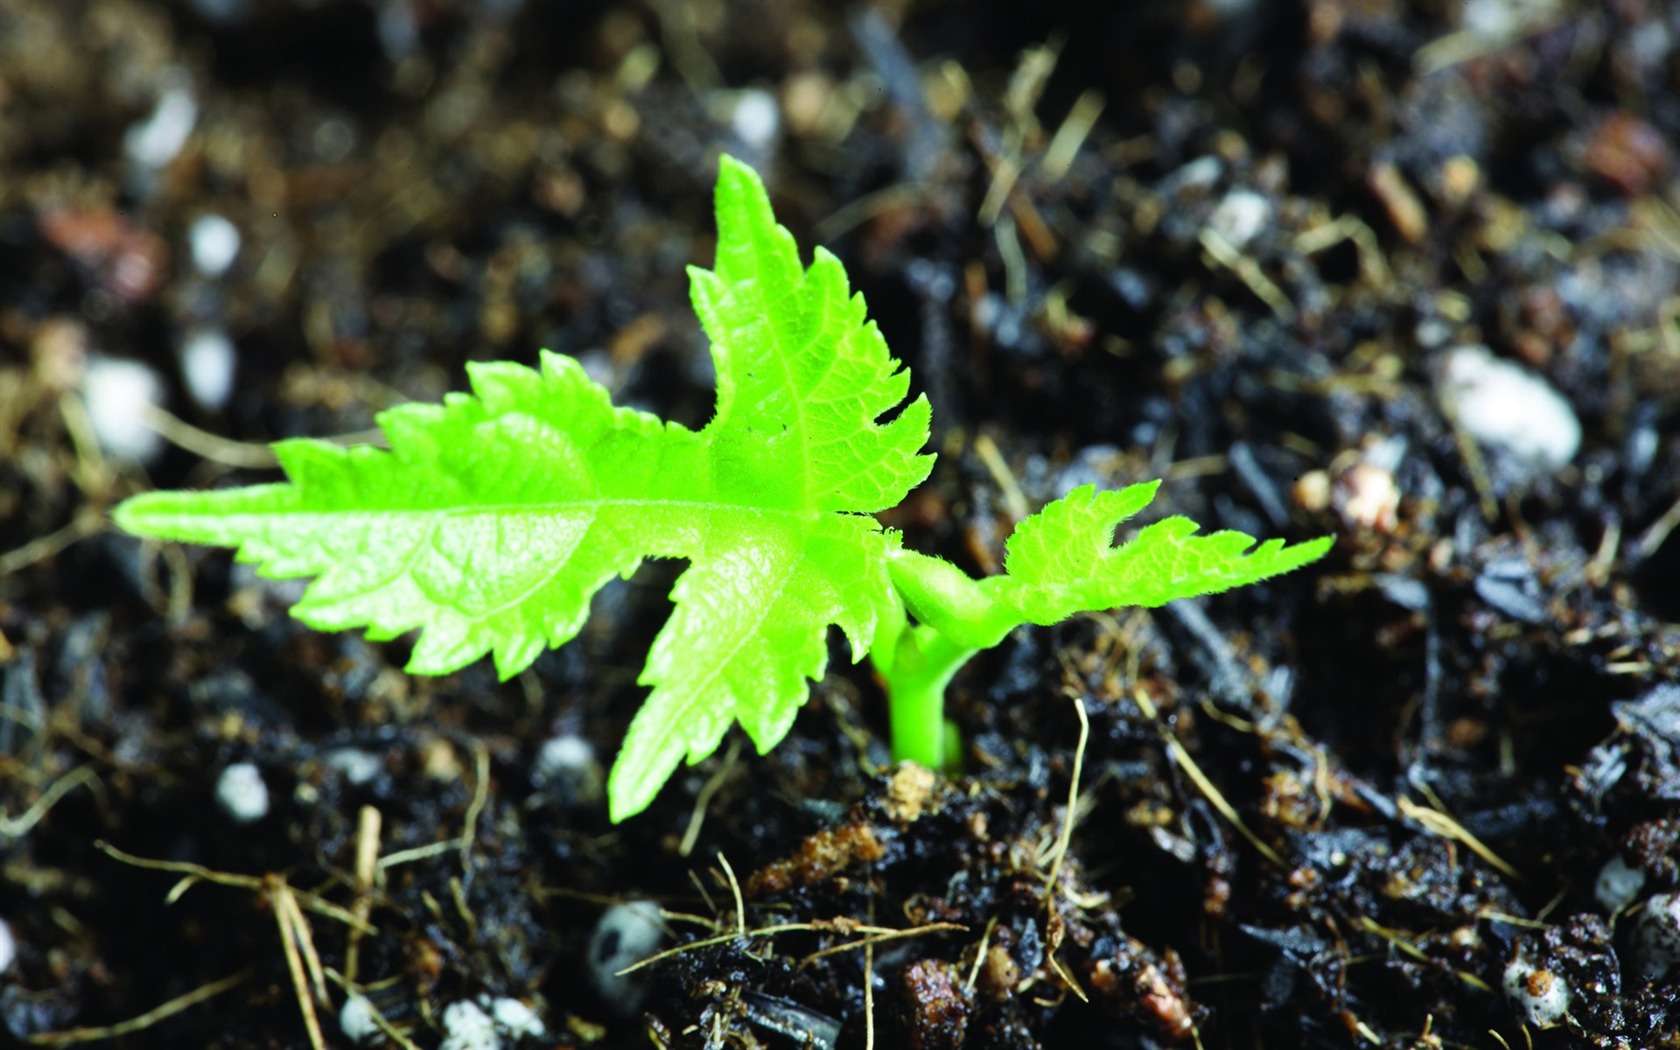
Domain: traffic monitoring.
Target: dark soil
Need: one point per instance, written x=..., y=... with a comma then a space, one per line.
x=1425, y=793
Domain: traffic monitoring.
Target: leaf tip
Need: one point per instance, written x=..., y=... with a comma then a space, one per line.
x=629, y=791
x=733, y=169
x=129, y=515
x=1309, y=551
x=738, y=182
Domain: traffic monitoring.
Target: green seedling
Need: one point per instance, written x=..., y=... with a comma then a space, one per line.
x=495, y=516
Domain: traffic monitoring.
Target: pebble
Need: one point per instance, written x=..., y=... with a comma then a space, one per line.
x=154, y=143
x=563, y=755
x=625, y=935
x=516, y=1018
x=119, y=394
x=1507, y=408
x=1500, y=19
x=358, y=767
x=207, y=364
x=1617, y=884
x=468, y=1027
x=1198, y=174
x=1541, y=996
x=1239, y=217
x=483, y=1024
x=214, y=242
x=242, y=794
x=355, y=1020
x=567, y=764
x=1656, y=940
x=756, y=119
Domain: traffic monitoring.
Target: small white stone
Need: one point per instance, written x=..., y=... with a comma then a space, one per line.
x=155, y=142
x=625, y=935
x=567, y=764
x=1490, y=18
x=1617, y=884
x=1507, y=408
x=241, y=792
x=358, y=767
x=516, y=1018
x=1503, y=20
x=756, y=119
x=355, y=1020
x=1240, y=216
x=1656, y=940
x=207, y=364
x=215, y=244
x=563, y=755
x=120, y=396
x=468, y=1027
x=1197, y=174
x=8, y=946
x=1541, y=996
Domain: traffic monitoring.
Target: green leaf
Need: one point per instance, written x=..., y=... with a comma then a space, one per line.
x=496, y=516
x=1063, y=560
x=802, y=376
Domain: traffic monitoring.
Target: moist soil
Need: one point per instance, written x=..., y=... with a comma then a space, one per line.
x=1400, y=273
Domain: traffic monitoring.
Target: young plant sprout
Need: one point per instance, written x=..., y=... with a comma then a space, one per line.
x=496, y=516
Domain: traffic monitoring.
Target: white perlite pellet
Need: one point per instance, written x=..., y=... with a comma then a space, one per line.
x=625, y=935
x=1507, y=408
x=242, y=794
x=1656, y=940
x=207, y=364
x=214, y=242
x=1617, y=884
x=515, y=1018
x=120, y=396
x=1240, y=216
x=355, y=1020
x=8, y=946
x=468, y=1027
x=1541, y=996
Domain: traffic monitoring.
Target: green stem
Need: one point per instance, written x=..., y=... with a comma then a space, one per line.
x=922, y=667
x=957, y=618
